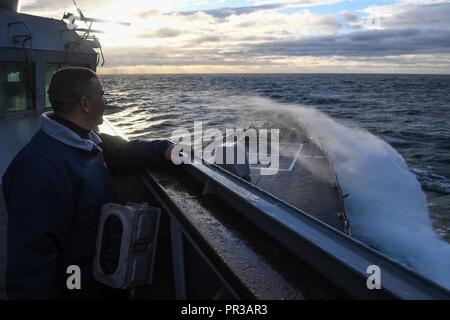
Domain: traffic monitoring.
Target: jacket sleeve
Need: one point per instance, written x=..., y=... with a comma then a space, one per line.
x=123, y=156
x=39, y=202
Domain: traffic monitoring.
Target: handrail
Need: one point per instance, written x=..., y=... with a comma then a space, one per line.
x=338, y=257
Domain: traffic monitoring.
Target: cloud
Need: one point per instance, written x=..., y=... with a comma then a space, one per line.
x=423, y=63
x=203, y=30
x=161, y=33
x=258, y=6
x=361, y=44
x=105, y=9
x=38, y=5
x=208, y=38
x=396, y=48
x=349, y=17
x=46, y=8
x=261, y=35
x=405, y=15
x=51, y=7
x=273, y=23
x=160, y=56
x=148, y=14
x=225, y=12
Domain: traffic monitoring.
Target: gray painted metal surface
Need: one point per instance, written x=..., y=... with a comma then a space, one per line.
x=39, y=41
x=178, y=260
x=304, y=180
x=10, y=5
x=244, y=270
x=341, y=259
x=38, y=33
x=3, y=223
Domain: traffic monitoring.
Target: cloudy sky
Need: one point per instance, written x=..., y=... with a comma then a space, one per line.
x=376, y=36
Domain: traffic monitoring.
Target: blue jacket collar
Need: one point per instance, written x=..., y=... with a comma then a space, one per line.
x=63, y=134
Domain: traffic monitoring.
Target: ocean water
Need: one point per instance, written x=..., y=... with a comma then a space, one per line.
x=404, y=118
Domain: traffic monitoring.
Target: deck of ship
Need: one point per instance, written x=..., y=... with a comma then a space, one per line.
x=306, y=180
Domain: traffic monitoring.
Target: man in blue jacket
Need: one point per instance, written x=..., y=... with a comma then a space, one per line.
x=57, y=184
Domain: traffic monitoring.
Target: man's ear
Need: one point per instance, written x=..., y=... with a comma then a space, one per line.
x=84, y=104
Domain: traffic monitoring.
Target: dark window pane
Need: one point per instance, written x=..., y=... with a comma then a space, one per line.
x=16, y=86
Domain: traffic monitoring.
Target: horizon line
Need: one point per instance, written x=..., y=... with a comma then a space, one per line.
x=281, y=73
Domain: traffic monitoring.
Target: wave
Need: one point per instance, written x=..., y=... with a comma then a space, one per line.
x=386, y=205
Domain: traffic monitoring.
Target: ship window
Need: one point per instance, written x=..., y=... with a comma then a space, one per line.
x=16, y=86
x=51, y=69
x=14, y=77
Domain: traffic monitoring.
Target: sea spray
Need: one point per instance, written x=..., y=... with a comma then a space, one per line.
x=386, y=205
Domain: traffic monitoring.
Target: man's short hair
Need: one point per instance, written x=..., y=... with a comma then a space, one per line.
x=68, y=86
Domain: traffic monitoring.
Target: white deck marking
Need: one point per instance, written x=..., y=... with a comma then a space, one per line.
x=300, y=147
x=291, y=166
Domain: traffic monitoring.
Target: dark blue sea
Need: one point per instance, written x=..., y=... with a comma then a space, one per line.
x=409, y=112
